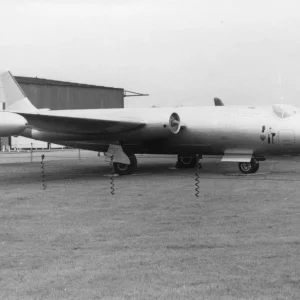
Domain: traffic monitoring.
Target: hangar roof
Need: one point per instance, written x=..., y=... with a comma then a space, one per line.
x=42, y=81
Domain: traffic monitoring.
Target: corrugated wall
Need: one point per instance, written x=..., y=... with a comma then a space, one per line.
x=69, y=97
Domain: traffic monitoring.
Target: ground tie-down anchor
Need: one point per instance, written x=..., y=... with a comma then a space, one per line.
x=31, y=153
x=79, y=154
x=198, y=166
x=112, y=178
x=43, y=172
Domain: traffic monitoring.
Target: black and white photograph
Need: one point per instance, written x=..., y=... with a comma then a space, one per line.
x=150, y=149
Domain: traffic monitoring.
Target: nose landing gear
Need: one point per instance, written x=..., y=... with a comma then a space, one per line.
x=249, y=167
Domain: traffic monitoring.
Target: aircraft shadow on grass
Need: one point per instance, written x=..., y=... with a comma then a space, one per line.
x=31, y=173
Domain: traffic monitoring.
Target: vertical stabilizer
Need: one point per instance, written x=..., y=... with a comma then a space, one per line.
x=13, y=95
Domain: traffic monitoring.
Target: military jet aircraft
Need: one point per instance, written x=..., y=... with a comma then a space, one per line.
x=242, y=134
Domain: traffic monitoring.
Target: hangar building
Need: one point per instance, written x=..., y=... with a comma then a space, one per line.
x=53, y=94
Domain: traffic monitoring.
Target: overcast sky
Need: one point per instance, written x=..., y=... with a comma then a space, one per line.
x=181, y=52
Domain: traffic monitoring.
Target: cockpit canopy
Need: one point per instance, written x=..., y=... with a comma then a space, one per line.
x=285, y=111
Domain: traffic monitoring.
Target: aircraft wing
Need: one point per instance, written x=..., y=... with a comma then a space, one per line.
x=82, y=123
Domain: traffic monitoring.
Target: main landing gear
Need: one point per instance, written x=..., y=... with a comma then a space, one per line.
x=186, y=161
x=124, y=169
x=249, y=167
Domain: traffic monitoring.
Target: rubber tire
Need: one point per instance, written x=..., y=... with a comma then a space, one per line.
x=186, y=165
x=254, y=166
x=123, y=169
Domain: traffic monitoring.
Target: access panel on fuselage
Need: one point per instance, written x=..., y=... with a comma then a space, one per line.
x=286, y=139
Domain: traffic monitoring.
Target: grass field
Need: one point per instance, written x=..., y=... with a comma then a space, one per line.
x=153, y=239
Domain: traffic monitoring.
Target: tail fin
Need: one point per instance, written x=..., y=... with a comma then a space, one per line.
x=13, y=95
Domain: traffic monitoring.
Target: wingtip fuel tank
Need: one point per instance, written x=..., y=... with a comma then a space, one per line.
x=11, y=124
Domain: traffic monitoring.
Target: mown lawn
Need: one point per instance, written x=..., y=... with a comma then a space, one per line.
x=153, y=239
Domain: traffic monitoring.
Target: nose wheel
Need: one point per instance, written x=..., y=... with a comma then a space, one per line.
x=249, y=167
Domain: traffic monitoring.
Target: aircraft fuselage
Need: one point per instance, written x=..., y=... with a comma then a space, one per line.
x=206, y=130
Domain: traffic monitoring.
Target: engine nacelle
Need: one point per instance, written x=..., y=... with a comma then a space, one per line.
x=175, y=124
x=11, y=124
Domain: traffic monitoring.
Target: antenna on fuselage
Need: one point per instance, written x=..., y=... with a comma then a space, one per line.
x=218, y=102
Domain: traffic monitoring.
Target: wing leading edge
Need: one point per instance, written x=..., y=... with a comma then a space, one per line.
x=81, y=124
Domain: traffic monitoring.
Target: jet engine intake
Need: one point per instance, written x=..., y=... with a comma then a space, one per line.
x=175, y=123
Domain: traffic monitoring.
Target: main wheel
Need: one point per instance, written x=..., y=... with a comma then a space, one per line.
x=124, y=169
x=249, y=168
x=255, y=167
x=185, y=161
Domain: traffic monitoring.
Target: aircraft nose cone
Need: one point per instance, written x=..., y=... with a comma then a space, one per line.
x=11, y=124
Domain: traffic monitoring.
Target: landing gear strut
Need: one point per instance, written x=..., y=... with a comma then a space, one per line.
x=186, y=161
x=249, y=168
x=124, y=169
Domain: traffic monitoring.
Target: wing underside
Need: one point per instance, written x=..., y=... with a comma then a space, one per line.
x=82, y=124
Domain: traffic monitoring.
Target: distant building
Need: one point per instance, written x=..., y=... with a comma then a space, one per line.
x=53, y=94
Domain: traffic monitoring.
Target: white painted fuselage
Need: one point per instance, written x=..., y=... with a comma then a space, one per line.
x=260, y=130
